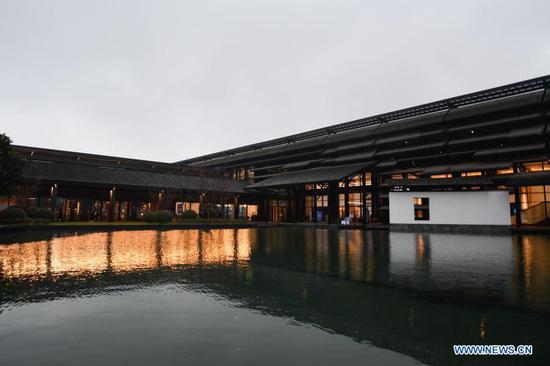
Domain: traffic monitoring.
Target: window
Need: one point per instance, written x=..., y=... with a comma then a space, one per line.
x=534, y=167
x=470, y=174
x=355, y=204
x=505, y=171
x=441, y=176
x=356, y=180
x=368, y=179
x=341, y=205
x=421, y=208
x=309, y=208
x=322, y=201
x=186, y=206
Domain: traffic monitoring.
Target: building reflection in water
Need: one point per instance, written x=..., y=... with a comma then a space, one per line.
x=511, y=270
x=263, y=269
x=121, y=251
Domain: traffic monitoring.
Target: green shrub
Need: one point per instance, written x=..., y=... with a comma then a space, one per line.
x=42, y=213
x=13, y=215
x=31, y=212
x=163, y=216
x=189, y=214
x=149, y=216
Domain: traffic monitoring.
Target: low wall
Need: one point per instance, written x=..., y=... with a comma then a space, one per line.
x=453, y=229
x=466, y=208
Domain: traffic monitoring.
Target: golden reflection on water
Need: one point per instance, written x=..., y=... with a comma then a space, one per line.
x=86, y=253
x=520, y=276
x=123, y=251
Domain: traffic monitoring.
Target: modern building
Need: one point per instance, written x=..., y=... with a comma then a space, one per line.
x=82, y=186
x=492, y=140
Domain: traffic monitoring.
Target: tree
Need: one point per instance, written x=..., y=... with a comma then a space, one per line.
x=10, y=166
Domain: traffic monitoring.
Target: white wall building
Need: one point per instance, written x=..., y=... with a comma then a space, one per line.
x=450, y=208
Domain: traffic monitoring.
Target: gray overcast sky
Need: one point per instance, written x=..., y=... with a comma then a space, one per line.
x=168, y=80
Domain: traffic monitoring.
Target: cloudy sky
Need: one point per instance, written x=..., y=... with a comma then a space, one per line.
x=169, y=80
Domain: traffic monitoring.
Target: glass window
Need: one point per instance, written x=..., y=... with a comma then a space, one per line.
x=470, y=174
x=321, y=185
x=251, y=211
x=355, y=181
x=355, y=203
x=309, y=208
x=322, y=201
x=533, y=167
x=368, y=179
x=421, y=208
x=532, y=195
x=341, y=205
x=505, y=171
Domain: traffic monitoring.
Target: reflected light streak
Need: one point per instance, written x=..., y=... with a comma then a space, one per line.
x=122, y=251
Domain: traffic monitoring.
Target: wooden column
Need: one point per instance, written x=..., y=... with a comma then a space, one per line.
x=299, y=203
x=112, y=198
x=314, y=203
x=236, y=207
x=346, y=197
x=517, y=198
x=364, y=209
x=374, y=195
x=201, y=199
x=333, y=203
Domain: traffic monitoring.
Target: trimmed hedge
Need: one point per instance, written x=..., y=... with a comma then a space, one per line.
x=149, y=216
x=42, y=213
x=189, y=214
x=13, y=215
x=162, y=217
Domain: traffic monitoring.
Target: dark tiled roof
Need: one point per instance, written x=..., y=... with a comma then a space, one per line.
x=529, y=178
x=425, y=182
x=466, y=167
x=87, y=174
x=315, y=175
x=456, y=111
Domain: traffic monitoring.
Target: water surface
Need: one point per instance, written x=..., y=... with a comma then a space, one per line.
x=270, y=296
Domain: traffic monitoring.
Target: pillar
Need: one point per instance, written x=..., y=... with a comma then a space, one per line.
x=236, y=207
x=364, y=192
x=112, y=198
x=517, y=204
x=314, y=203
x=375, y=195
x=333, y=203
x=517, y=199
x=346, y=197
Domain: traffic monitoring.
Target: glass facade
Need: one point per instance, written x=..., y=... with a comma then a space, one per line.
x=278, y=210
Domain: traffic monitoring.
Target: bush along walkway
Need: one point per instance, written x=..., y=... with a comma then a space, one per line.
x=135, y=225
